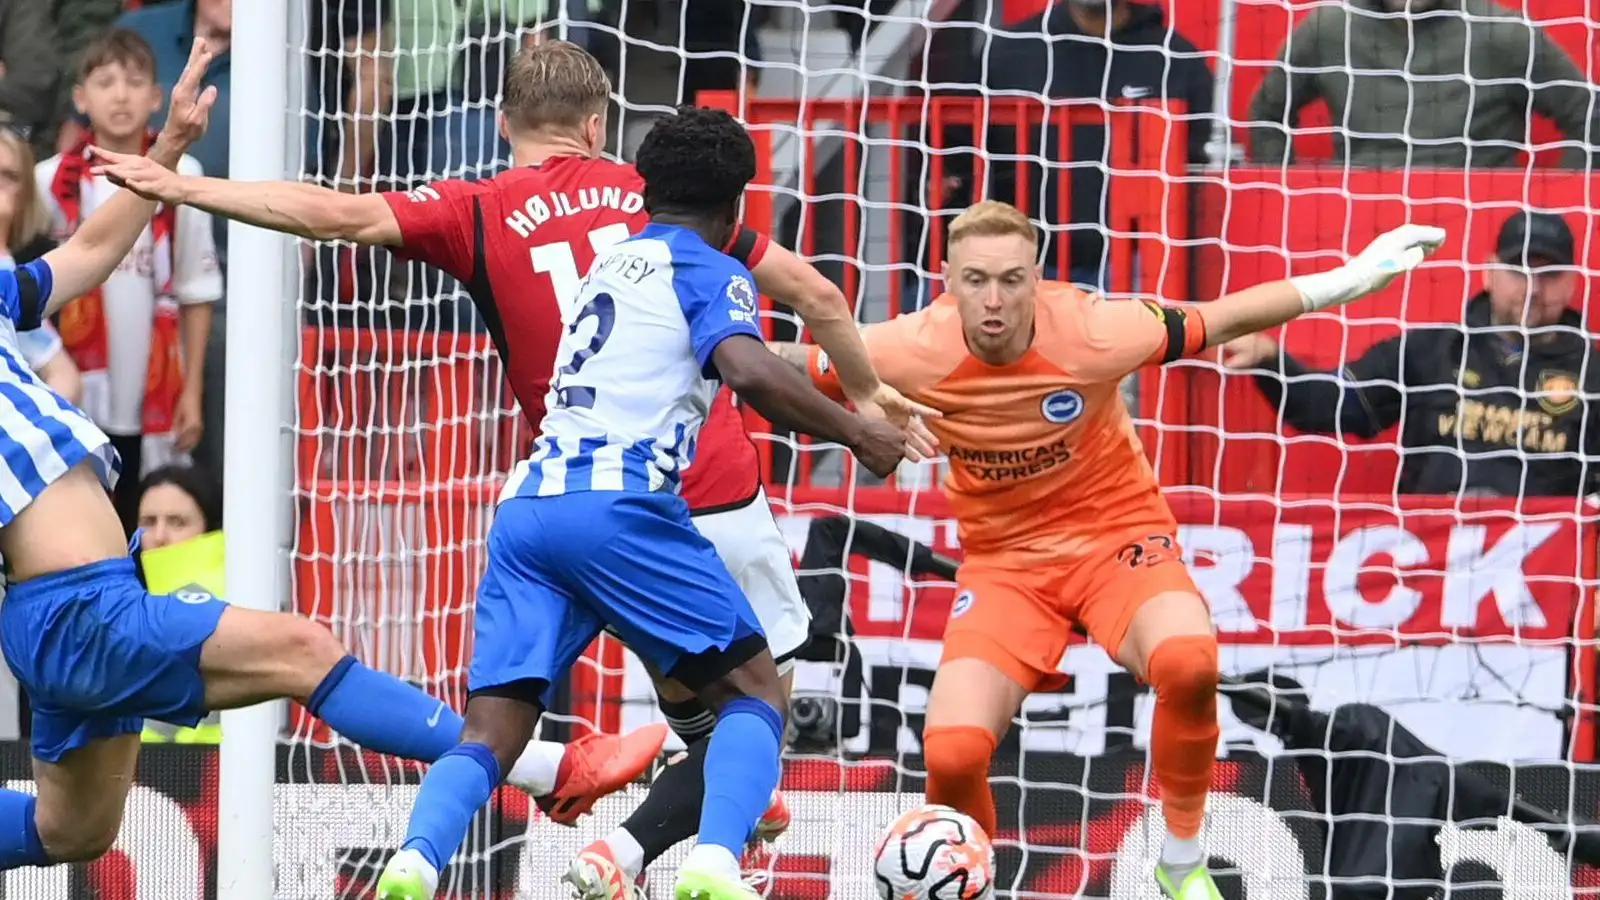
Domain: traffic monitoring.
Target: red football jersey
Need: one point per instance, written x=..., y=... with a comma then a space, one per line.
x=521, y=243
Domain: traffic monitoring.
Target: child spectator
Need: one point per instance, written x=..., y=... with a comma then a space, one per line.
x=25, y=236
x=140, y=339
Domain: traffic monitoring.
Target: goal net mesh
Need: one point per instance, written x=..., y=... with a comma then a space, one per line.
x=1465, y=616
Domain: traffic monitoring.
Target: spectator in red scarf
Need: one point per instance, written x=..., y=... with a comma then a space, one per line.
x=139, y=339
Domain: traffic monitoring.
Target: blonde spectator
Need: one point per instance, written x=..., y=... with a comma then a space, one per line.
x=24, y=236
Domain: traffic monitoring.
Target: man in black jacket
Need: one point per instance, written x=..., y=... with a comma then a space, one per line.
x=1504, y=405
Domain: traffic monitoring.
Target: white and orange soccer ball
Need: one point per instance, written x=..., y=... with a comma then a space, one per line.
x=934, y=853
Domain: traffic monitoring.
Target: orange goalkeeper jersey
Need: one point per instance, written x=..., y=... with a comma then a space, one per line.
x=1043, y=455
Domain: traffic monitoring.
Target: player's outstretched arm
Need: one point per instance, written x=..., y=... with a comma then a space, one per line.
x=796, y=355
x=792, y=281
x=788, y=400
x=1264, y=306
x=921, y=443
x=306, y=210
x=93, y=252
x=785, y=277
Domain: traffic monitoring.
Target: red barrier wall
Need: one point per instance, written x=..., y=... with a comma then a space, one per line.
x=1313, y=213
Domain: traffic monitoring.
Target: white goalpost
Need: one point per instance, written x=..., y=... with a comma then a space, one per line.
x=257, y=462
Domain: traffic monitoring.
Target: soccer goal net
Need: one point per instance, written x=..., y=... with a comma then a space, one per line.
x=1465, y=616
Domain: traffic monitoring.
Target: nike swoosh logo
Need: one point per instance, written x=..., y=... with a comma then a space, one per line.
x=434, y=719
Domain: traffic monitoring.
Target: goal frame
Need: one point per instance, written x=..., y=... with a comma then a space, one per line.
x=257, y=476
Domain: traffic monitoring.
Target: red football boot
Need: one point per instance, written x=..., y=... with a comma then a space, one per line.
x=599, y=764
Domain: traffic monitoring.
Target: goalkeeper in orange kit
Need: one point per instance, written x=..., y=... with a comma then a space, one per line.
x=1059, y=512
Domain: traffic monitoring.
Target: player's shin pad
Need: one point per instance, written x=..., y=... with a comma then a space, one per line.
x=452, y=792
x=690, y=719
x=741, y=771
x=380, y=712
x=670, y=813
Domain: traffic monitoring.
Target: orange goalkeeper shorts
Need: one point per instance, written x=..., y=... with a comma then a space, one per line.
x=1020, y=617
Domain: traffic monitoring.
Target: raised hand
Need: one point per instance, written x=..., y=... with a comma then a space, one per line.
x=189, y=108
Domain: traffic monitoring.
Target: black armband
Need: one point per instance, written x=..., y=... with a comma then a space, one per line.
x=1181, y=339
x=747, y=246
x=30, y=300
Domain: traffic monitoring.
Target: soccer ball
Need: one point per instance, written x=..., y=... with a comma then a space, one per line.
x=934, y=853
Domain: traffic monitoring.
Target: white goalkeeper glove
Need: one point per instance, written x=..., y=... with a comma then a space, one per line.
x=1389, y=256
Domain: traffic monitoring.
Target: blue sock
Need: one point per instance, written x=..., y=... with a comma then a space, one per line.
x=452, y=792
x=19, y=834
x=380, y=712
x=742, y=769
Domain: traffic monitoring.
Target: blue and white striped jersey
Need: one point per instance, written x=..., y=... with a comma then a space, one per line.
x=41, y=435
x=634, y=376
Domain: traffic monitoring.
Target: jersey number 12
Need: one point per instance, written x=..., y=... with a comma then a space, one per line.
x=558, y=261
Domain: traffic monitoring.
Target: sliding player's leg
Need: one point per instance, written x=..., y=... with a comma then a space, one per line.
x=749, y=543
x=252, y=656
x=528, y=630
x=1004, y=641
x=91, y=659
x=76, y=812
x=1144, y=603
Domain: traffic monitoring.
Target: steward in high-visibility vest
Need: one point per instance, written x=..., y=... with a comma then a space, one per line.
x=193, y=566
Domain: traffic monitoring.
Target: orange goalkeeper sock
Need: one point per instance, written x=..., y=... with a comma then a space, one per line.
x=957, y=757
x=1183, y=740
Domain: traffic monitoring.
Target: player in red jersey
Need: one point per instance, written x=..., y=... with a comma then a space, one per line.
x=520, y=243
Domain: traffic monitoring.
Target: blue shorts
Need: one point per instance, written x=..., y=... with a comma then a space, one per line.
x=561, y=568
x=98, y=654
